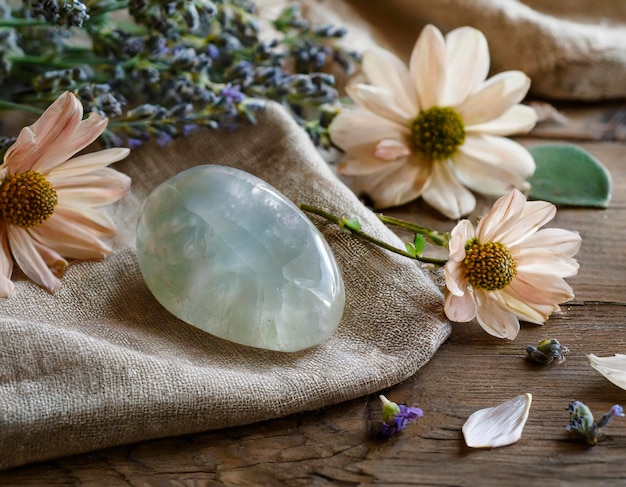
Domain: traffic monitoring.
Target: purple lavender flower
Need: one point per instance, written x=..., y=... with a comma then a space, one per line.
x=232, y=93
x=397, y=416
x=582, y=422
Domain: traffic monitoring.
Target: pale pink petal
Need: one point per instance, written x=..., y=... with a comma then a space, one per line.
x=69, y=239
x=493, y=318
x=467, y=65
x=519, y=119
x=29, y=260
x=361, y=162
x=380, y=102
x=462, y=233
x=53, y=260
x=399, y=186
x=69, y=142
x=446, y=194
x=534, y=215
x=562, y=242
x=93, y=220
x=507, y=208
x=384, y=70
x=6, y=264
x=50, y=130
x=544, y=303
x=456, y=281
x=537, y=313
x=543, y=288
x=535, y=261
x=495, y=97
x=357, y=127
x=492, y=165
x=87, y=163
x=460, y=308
x=390, y=150
x=98, y=188
x=18, y=157
x=427, y=66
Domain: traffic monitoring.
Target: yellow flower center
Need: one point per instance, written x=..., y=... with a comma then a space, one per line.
x=438, y=132
x=27, y=199
x=489, y=266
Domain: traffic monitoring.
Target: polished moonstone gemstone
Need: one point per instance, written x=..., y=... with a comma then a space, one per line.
x=226, y=252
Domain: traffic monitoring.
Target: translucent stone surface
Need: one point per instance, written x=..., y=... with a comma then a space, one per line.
x=226, y=252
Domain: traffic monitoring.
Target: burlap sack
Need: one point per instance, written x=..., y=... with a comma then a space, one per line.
x=572, y=50
x=101, y=363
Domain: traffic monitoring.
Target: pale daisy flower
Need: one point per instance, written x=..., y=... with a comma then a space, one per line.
x=507, y=269
x=48, y=199
x=435, y=128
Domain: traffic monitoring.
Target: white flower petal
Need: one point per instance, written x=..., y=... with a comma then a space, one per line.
x=467, y=65
x=519, y=119
x=390, y=150
x=427, y=66
x=562, y=242
x=535, y=312
x=446, y=194
x=492, y=165
x=400, y=185
x=613, y=368
x=456, y=282
x=380, y=102
x=506, y=209
x=494, y=97
x=459, y=236
x=538, y=261
x=542, y=287
x=534, y=215
x=88, y=163
x=361, y=162
x=6, y=264
x=356, y=127
x=29, y=260
x=460, y=308
x=493, y=316
x=384, y=70
x=501, y=425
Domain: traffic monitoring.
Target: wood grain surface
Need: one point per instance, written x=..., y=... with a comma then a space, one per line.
x=335, y=446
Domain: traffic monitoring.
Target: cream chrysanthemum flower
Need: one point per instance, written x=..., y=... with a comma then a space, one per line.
x=507, y=269
x=48, y=198
x=436, y=127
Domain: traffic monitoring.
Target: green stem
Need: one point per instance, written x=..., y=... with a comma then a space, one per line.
x=359, y=233
x=436, y=237
x=21, y=22
x=9, y=105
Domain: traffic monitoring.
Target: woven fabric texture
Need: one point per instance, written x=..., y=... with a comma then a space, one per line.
x=101, y=363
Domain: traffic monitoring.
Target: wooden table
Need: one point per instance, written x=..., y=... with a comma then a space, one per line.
x=334, y=446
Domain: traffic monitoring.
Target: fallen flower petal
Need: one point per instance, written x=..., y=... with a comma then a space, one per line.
x=613, y=368
x=501, y=425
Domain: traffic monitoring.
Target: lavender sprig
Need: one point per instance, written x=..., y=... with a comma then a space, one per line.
x=583, y=424
x=169, y=68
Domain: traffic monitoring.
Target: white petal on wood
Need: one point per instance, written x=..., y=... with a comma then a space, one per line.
x=498, y=426
x=613, y=368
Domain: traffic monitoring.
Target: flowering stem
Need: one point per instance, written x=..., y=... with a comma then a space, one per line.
x=436, y=237
x=9, y=105
x=341, y=222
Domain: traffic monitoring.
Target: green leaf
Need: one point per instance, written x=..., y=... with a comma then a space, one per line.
x=567, y=175
x=419, y=243
x=350, y=224
x=410, y=248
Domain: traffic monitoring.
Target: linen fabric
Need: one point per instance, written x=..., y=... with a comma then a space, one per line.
x=101, y=363
x=571, y=50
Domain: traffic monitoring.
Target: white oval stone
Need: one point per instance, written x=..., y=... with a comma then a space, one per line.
x=226, y=252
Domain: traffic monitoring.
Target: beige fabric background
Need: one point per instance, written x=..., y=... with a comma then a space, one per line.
x=101, y=363
x=571, y=49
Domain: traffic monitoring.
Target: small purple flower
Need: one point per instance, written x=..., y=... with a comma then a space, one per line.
x=232, y=93
x=397, y=416
x=582, y=422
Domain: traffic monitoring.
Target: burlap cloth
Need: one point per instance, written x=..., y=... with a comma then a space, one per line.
x=101, y=363
x=571, y=49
